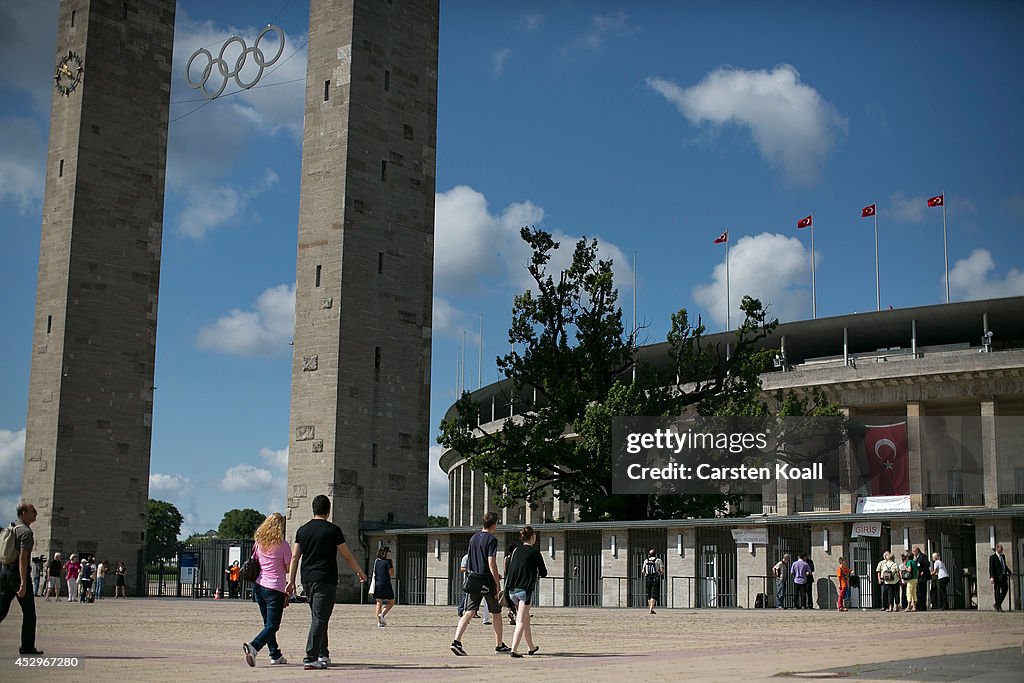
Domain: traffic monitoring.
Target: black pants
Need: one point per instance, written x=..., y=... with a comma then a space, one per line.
x=321, y=605
x=939, y=587
x=1002, y=585
x=922, y=595
x=10, y=579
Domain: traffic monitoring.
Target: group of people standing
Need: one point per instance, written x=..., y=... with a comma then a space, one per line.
x=905, y=583
x=801, y=573
x=85, y=578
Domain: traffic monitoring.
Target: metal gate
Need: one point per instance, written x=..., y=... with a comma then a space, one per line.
x=412, y=570
x=640, y=543
x=864, y=557
x=716, y=567
x=953, y=540
x=458, y=545
x=582, y=569
x=793, y=539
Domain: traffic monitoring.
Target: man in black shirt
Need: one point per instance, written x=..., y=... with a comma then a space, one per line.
x=999, y=576
x=482, y=583
x=924, y=572
x=318, y=543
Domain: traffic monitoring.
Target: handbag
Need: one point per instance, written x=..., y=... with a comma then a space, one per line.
x=251, y=569
x=372, y=587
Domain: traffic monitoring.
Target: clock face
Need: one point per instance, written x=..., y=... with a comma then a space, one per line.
x=68, y=74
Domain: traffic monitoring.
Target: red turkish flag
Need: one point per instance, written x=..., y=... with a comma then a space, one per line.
x=867, y=211
x=888, y=459
x=805, y=222
x=724, y=237
x=937, y=200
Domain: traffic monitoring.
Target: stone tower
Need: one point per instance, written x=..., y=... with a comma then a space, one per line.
x=361, y=367
x=90, y=409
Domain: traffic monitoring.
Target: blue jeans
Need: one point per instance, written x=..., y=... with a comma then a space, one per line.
x=321, y=604
x=271, y=604
x=780, y=592
x=98, y=591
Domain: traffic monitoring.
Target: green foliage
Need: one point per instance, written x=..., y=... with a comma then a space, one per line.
x=573, y=369
x=205, y=537
x=163, y=524
x=240, y=523
x=437, y=521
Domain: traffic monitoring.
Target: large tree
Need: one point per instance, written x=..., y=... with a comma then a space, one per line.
x=163, y=524
x=573, y=369
x=240, y=523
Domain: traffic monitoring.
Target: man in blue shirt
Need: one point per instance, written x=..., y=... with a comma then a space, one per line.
x=800, y=571
x=482, y=583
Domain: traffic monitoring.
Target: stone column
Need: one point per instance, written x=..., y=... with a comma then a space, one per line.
x=847, y=487
x=915, y=410
x=551, y=591
x=989, y=454
x=683, y=591
x=747, y=565
x=614, y=593
x=983, y=551
x=826, y=561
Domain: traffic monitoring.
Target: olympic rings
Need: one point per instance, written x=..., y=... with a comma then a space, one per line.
x=224, y=72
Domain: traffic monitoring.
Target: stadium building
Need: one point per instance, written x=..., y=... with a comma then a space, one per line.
x=950, y=376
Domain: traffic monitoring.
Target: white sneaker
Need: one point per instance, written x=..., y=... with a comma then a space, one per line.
x=326, y=661
x=279, y=660
x=380, y=621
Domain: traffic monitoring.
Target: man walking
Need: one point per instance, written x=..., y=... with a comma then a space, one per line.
x=15, y=579
x=482, y=583
x=652, y=571
x=781, y=571
x=998, y=576
x=317, y=543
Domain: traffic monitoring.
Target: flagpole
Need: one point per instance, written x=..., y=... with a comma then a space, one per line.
x=633, y=334
x=728, y=304
x=814, y=294
x=945, y=251
x=878, y=288
x=480, y=362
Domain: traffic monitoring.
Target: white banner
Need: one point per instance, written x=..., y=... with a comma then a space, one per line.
x=866, y=529
x=757, y=536
x=884, y=504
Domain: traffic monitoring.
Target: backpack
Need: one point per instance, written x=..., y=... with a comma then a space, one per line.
x=8, y=546
x=651, y=566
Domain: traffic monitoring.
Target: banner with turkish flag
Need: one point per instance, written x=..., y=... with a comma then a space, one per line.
x=888, y=459
x=724, y=237
x=867, y=211
x=805, y=222
x=937, y=200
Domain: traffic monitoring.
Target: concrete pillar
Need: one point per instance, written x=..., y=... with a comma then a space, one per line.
x=749, y=566
x=989, y=453
x=551, y=591
x=984, y=530
x=915, y=411
x=825, y=553
x=847, y=485
x=614, y=563
x=437, y=569
x=682, y=589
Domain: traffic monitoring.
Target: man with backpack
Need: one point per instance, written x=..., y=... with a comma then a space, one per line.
x=16, y=543
x=652, y=572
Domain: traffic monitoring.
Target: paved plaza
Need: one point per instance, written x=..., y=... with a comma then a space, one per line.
x=181, y=640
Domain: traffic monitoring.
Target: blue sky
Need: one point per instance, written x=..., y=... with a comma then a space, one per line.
x=653, y=126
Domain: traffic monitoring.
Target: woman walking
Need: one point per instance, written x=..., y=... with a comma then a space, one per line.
x=843, y=579
x=521, y=583
x=119, y=575
x=383, y=592
x=274, y=555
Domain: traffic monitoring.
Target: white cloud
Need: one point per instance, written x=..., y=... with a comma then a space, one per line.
x=264, y=331
x=474, y=246
x=971, y=278
x=907, y=209
x=448, y=321
x=770, y=267
x=437, y=502
x=22, y=162
x=603, y=26
x=169, y=485
x=792, y=125
x=28, y=33
x=278, y=460
x=208, y=208
x=247, y=479
x=12, y=462
x=531, y=22
x=498, y=59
